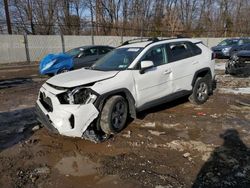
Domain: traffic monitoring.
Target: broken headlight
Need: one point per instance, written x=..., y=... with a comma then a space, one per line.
x=78, y=95
x=49, y=64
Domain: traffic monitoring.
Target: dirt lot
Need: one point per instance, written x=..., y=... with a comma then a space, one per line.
x=173, y=145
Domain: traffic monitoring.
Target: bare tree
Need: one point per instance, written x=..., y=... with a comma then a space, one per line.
x=34, y=17
x=171, y=20
x=131, y=17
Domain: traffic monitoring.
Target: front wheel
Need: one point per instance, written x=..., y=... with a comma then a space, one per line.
x=114, y=115
x=200, y=91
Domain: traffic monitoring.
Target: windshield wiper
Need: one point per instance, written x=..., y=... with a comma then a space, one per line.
x=94, y=68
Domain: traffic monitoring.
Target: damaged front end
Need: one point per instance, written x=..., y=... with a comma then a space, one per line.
x=69, y=112
x=238, y=64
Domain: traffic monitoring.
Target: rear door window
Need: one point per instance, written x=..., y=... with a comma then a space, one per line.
x=178, y=51
x=182, y=50
x=195, y=49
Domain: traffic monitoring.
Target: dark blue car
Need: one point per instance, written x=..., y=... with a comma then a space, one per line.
x=76, y=58
x=226, y=48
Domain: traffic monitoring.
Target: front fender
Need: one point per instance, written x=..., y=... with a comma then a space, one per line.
x=63, y=64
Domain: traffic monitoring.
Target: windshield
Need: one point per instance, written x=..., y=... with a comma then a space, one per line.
x=74, y=51
x=228, y=42
x=118, y=59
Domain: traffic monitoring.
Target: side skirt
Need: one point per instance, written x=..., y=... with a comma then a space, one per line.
x=163, y=100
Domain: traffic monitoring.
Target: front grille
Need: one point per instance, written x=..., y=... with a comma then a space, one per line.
x=63, y=98
x=46, y=102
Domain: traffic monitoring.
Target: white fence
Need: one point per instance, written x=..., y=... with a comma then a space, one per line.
x=18, y=48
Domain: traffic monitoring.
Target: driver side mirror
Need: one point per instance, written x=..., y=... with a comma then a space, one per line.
x=146, y=65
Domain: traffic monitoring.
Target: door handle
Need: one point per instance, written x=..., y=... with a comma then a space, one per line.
x=167, y=72
x=196, y=62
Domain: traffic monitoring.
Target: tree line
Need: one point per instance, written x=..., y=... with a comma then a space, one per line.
x=207, y=18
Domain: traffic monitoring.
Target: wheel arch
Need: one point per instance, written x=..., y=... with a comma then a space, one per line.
x=124, y=93
x=202, y=73
x=65, y=64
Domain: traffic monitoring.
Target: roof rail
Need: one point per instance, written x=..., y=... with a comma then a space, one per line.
x=141, y=39
x=150, y=39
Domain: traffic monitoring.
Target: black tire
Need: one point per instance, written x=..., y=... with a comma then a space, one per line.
x=114, y=115
x=200, y=91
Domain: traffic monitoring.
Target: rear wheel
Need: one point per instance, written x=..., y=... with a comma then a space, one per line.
x=200, y=91
x=114, y=115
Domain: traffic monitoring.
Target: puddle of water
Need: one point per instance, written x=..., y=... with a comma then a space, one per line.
x=15, y=126
x=13, y=82
x=77, y=166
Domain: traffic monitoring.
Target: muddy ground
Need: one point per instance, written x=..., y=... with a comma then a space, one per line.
x=173, y=145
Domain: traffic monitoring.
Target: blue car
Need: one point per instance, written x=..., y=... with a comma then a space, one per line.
x=76, y=58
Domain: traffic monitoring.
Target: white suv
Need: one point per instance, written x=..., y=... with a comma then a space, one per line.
x=95, y=103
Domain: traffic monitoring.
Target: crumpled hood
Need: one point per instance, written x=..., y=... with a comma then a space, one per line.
x=80, y=77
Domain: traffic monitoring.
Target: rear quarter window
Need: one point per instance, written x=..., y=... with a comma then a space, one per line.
x=195, y=49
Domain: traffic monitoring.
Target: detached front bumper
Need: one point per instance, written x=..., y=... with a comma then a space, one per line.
x=65, y=119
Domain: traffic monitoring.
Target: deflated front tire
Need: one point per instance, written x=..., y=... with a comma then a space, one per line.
x=114, y=115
